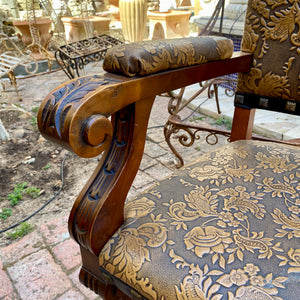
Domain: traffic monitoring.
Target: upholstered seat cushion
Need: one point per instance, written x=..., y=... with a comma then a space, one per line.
x=148, y=57
x=228, y=226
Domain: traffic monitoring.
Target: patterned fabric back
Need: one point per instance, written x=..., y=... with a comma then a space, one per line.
x=272, y=33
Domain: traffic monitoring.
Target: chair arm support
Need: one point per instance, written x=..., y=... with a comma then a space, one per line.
x=76, y=115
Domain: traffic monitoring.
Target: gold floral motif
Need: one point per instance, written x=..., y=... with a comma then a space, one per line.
x=278, y=162
x=163, y=58
x=200, y=202
x=207, y=240
x=132, y=251
x=256, y=241
x=112, y=62
x=240, y=200
x=250, y=38
x=139, y=208
x=270, y=84
x=198, y=285
x=272, y=24
x=293, y=259
x=214, y=226
x=276, y=3
x=223, y=49
x=290, y=225
x=260, y=7
x=281, y=26
x=201, y=173
x=241, y=171
x=251, y=285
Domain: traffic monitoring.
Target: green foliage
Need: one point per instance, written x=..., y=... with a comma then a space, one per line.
x=17, y=193
x=33, y=192
x=225, y=121
x=5, y=212
x=48, y=166
x=21, y=230
x=35, y=109
x=19, y=190
x=195, y=118
x=33, y=122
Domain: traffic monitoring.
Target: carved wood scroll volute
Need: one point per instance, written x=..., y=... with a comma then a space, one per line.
x=92, y=131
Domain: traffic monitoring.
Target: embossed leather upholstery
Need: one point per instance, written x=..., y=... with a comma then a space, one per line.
x=272, y=35
x=227, y=226
x=148, y=57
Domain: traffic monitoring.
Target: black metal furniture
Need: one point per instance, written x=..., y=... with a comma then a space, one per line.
x=75, y=56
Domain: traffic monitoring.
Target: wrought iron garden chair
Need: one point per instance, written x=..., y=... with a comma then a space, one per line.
x=226, y=226
x=11, y=59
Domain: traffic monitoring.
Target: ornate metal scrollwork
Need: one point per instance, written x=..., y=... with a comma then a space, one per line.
x=191, y=131
x=75, y=56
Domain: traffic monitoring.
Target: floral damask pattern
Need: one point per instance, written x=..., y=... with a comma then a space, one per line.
x=272, y=34
x=228, y=227
x=148, y=57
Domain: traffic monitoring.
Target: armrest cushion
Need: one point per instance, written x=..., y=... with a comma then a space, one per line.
x=148, y=57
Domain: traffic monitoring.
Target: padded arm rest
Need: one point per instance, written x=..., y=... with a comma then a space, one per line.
x=149, y=57
x=76, y=115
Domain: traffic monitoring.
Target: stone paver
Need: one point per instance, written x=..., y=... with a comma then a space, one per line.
x=6, y=287
x=147, y=162
x=142, y=179
x=154, y=150
x=71, y=295
x=56, y=231
x=158, y=172
x=68, y=253
x=38, y=277
x=27, y=245
x=84, y=290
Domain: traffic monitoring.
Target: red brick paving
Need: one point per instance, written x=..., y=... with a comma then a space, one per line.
x=6, y=287
x=56, y=231
x=68, y=253
x=37, y=276
x=43, y=265
x=71, y=295
x=85, y=291
x=29, y=244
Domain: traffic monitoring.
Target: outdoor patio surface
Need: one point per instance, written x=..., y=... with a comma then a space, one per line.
x=45, y=263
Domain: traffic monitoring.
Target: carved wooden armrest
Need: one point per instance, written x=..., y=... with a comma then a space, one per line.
x=110, y=113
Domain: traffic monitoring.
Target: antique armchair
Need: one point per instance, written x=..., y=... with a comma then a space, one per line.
x=227, y=225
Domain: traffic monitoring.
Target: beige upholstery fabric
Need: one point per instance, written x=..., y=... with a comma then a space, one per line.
x=148, y=57
x=228, y=227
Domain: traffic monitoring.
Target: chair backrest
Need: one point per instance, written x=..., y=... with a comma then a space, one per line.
x=272, y=35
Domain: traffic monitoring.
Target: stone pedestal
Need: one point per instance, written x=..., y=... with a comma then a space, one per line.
x=172, y=24
x=75, y=29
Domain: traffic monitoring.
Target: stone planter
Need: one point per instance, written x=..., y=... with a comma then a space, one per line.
x=74, y=27
x=114, y=2
x=133, y=16
x=45, y=34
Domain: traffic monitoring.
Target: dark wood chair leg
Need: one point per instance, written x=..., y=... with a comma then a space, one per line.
x=242, y=124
